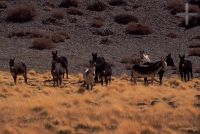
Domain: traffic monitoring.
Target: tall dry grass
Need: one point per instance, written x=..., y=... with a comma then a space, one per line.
x=119, y=108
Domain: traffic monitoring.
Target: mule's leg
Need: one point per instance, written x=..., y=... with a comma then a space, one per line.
x=131, y=75
x=87, y=86
x=60, y=80
x=152, y=79
x=185, y=76
x=25, y=77
x=101, y=78
x=181, y=73
x=161, y=74
x=135, y=80
x=54, y=81
x=106, y=80
x=191, y=73
x=145, y=81
x=67, y=72
x=15, y=78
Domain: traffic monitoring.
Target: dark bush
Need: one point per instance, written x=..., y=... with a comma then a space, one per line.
x=138, y=29
x=69, y=3
x=21, y=13
x=97, y=6
x=125, y=18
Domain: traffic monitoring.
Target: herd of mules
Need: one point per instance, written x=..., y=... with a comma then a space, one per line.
x=101, y=71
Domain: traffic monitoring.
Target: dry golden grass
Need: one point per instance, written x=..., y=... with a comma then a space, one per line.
x=121, y=108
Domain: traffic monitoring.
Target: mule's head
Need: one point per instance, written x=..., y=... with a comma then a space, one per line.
x=170, y=61
x=12, y=62
x=54, y=55
x=182, y=59
x=94, y=57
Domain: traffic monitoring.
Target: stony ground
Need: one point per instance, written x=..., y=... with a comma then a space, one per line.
x=82, y=43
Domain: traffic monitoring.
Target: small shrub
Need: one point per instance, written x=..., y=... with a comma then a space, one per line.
x=125, y=18
x=97, y=22
x=138, y=29
x=117, y=2
x=74, y=11
x=172, y=35
x=58, y=14
x=59, y=37
x=21, y=13
x=42, y=43
x=194, y=52
x=175, y=6
x=97, y=6
x=69, y=3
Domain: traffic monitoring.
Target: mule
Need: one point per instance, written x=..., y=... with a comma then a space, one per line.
x=169, y=62
x=57, y=72
x=185, y=68
x=147, y=70
x=99, y=66
x=18, y=69
x=88, y=76
x=107, y=74
x=62, y=60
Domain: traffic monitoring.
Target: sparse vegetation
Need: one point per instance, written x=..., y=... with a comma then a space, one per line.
x=69, y=3
x=21, y=13
x=97, y=6
x=138, y=29
x=74, y=11
x=125, y=18
x=42, y=43
x=97, y=22
x=117, y=2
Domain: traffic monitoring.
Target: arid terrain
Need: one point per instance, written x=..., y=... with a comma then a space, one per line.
x=115, y=29
x=120, y=108
x=84, y=30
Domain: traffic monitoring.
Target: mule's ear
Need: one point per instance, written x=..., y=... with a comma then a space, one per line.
x=92, y=54
x=179, y=56
x=169, y=54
